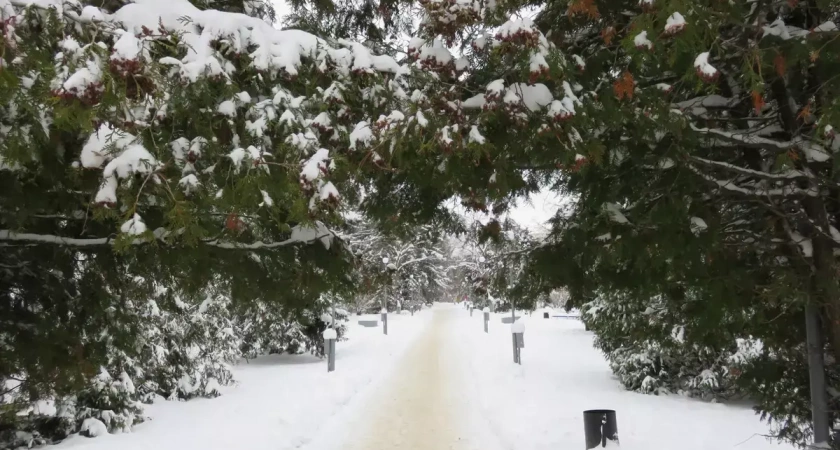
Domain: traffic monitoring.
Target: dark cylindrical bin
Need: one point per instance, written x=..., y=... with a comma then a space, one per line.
x=600, y=427
x=545, y=315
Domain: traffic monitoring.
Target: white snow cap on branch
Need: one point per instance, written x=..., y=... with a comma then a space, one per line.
x=189, y=183
x=704, y=69
x=698, y=225
x=614, y=211
x=328, y=191
x=315, y=166
x=95, y=151
x=641, y=41
x=361, y=134
x=675, y=23
x=267, y=200
x=475, y=135
x=134, y=226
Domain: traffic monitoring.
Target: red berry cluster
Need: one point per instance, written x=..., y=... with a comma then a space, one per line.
x=521, y=38
x=575, y=167
x=89, y=96
x=537, y=75
x=447, y=17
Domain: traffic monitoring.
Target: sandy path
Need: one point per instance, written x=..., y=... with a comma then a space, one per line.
x=421, y=405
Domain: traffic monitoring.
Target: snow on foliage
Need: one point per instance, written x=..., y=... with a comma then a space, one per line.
x=615, y=214
x=698, y=225
x=705, y=70
x=641, y=41
x=134, y=226
x=675, y=23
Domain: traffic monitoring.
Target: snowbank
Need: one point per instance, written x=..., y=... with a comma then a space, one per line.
x=279, y=402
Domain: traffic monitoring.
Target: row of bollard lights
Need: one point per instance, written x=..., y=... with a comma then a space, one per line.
x=599, y=425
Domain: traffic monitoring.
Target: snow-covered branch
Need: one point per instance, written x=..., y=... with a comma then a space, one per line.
x=300, y=235
x=757, y=173
x=731, y=186
x=748, y=138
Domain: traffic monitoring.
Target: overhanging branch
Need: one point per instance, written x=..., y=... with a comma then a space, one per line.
x=300, y=235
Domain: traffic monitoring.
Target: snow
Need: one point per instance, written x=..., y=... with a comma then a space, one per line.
x=641, y=41
x=438, y=381
x=94, y=427
x=280, y=402
x=698, y=225
x=421, y=120
x=825, y=27
x=701, y=63
x=101, y=143
x=328, y=191
x=675, y=23
x=476, y=136
x=534, y=96
x=227, y=108
x=518, y=326
x=238, y=155
x=267, y=200
x=330, y=333
x=476, y=101
x=496, y=87
x=189, y=183
x=614, y=211
x=814, y=152
x=804, y=243
x=604, y=237
x=268, y=48
x=127, y=47
x=362, y=134
x=514, y=26
x=135, y=159
x=538, y=62
x=312, y=168
x=83, y=77
x=540, y=404
x=134, y=226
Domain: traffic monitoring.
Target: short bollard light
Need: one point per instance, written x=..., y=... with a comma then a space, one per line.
x=517, y=330
x=486, y=318
x=600, y=429
x=384, y=313
x=330, y=337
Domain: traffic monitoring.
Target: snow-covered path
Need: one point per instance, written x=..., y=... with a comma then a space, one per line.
x=425, y=404
x=437, y=382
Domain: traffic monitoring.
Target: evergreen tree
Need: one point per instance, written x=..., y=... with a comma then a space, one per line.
x=166, y=171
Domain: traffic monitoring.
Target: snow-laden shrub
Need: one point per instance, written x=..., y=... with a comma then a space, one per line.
x=269, y=329
x=191, y=347
x=653, y=350
x=108, y=402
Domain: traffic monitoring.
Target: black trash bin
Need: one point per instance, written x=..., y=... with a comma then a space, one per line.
x=600, y=428
x=545, y=315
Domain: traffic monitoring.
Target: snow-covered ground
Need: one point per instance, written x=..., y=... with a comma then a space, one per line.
x=539, y=405
x=439, y=382
x=279, y=402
